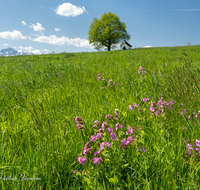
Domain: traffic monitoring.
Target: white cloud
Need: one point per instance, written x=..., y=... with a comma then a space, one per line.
x=67, y=9
x=36, y=51
x=15, y=35
x=53, y=39
x=5, y=44
x=57, y=29
x=37, y=27
x=26, y=48
x=24, y=23
x=148, y=46
x=29, y=49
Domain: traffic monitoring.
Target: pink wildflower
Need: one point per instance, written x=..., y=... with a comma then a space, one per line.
x=104, y=125
x=145, y=100
x=123, y=142
x=113, y=136
x=93, y=138
x=109, y=130
x=152, y=109
x=121, y=126
x=189, y=146
x=82, y=160
x=130, y=130
x=108, y=145
x=95, y=126
x=197, y=143
x=169, y=108
x=130, y=139
x=109, y=117
x=97, y=160
x=116, y=126
x=142, y=149
x=96, y=122
x=131, y=107
x=99, y=135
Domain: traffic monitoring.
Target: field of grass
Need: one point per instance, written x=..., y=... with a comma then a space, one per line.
x=151, y=136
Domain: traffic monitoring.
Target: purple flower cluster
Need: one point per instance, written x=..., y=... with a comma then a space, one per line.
x=82, y=160
x=132, y=106
x=145, y=100
x=80, y=123
x=158, y=109
x=130, y=130
x=109, y=117
x=193, y=114
x=96, y=124
x=142, y=149
x=125, y=143
x=96, y=146
x=184, y=112
x=97, y=160
x=117, y=114
x=190, y=148
x=96, y=138
x=100, y=78
x=110, y=82
x=142, y=71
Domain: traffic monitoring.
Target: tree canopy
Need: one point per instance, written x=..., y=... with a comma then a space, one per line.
x=107, y=32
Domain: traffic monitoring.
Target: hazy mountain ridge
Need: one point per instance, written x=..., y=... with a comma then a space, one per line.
x=13, y=52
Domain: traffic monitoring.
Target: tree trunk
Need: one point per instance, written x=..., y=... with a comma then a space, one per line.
x=109, y=45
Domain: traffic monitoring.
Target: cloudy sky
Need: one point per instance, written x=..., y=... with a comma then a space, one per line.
x=40, y=26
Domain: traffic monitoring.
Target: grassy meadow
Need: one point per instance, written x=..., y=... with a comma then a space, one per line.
x=49, y=103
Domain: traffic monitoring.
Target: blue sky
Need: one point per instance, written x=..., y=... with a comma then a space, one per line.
x=41, y=26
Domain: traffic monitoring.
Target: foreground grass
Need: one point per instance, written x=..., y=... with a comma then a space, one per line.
x=42, y=95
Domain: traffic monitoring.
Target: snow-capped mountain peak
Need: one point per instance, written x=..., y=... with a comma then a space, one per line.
x=12, y=52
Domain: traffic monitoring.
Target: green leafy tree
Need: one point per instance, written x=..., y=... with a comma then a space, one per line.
x=107, y=32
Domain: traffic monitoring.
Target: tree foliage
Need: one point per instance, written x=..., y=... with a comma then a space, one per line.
x=107, y=32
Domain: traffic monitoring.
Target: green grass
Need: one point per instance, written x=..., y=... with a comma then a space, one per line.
x=41, y=95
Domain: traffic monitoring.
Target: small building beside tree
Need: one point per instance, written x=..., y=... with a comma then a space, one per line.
x=125, y=45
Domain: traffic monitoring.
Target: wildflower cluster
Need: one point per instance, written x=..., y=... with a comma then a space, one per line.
x=80, y=123
x=141, y=71
x=190, y=148
x=110, y=83
x=159, y=108
x=99, y=142
x=184, y=112
x=100, y=78
x=156, y=109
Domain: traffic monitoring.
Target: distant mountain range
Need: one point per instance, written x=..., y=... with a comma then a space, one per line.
x=12, y=52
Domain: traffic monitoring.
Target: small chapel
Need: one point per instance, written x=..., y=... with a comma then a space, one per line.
x=125, y=45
